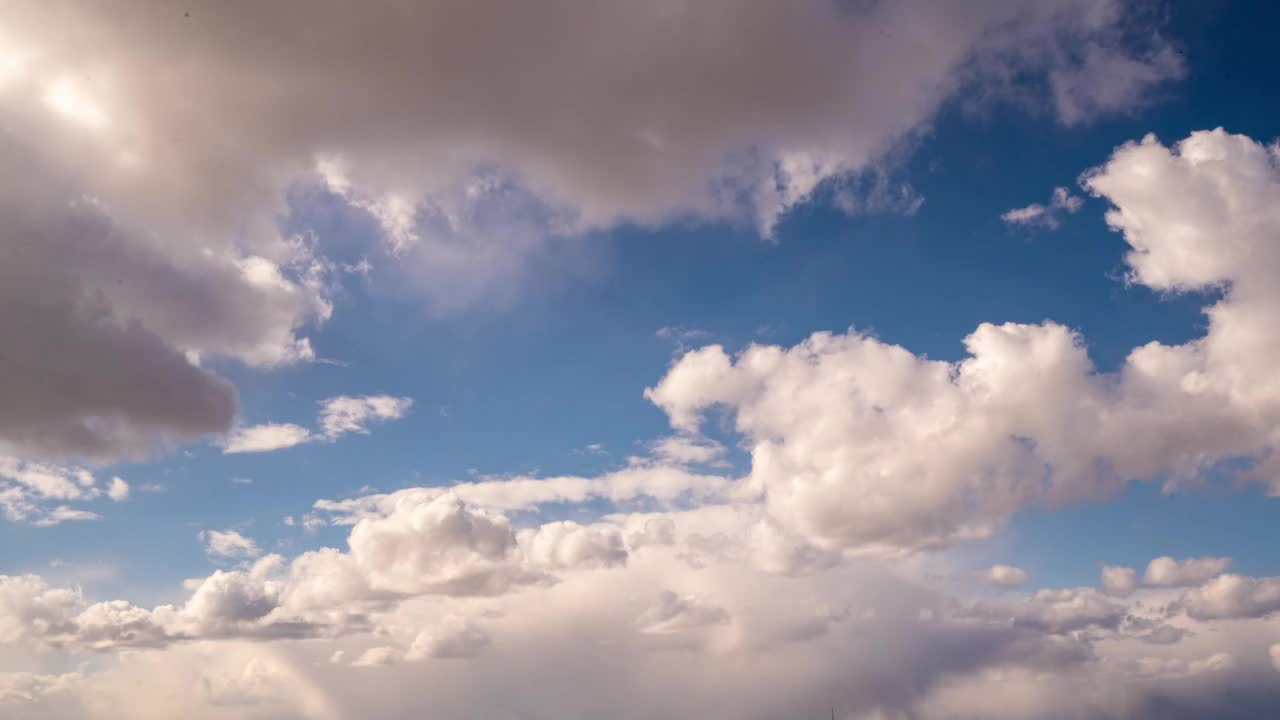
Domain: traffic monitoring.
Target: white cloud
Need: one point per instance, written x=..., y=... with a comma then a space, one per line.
x=689, y=450
x=1169, y=572
x=1233, y=596
x=1046, y=216
x=835, y=423
x=265, y=438
x=440, y=546
x=338, y=416
x=566, y=545
x=229, y=544
x=118, y=490
x=39, y=493
x=1005, y=576
x=1118, y=580
x=346, y=414
x=695, y=638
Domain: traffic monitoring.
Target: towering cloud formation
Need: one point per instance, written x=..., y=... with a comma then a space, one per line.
x=837, y=423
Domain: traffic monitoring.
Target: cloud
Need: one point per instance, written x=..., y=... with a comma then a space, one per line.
x=338, y=416
x=1118, y=580
x=265, y=438
x=118, y=490
x=834, y=423
x=566, y=544
x=686, y=450
x=229, y=544
x=455, y=637
x=695, y=638
x=670, y=613
x=1168, y=572
x=1233, y=596
x=1046, y=216
x=1004, y=576
x=514, y=151
x=143, y=234
x=38, y=493
x=25, y=687
x=346, y=414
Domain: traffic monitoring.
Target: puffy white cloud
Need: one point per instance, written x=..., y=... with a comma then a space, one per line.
x=851, y=627
x=566, y=545
x=229, y=544
x=1068, y=610
x=118, y=489
x=1233, y=596
x=439, y=546
x=1004, y=575
x=265, y=438
x=834, y=423
x=1169, y=572
x=1119, y=580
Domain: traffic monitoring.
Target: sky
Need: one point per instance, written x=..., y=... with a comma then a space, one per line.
x=911, y=361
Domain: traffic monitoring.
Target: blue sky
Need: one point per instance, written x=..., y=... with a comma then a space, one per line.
x=521, y=330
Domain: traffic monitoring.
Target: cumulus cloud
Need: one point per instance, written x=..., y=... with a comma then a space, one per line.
x=1233, y=596
x=655, y=620
x=1119, y=580
x=834, y=423
x=1169, y=572
x=118, y=490
x=566, y=544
